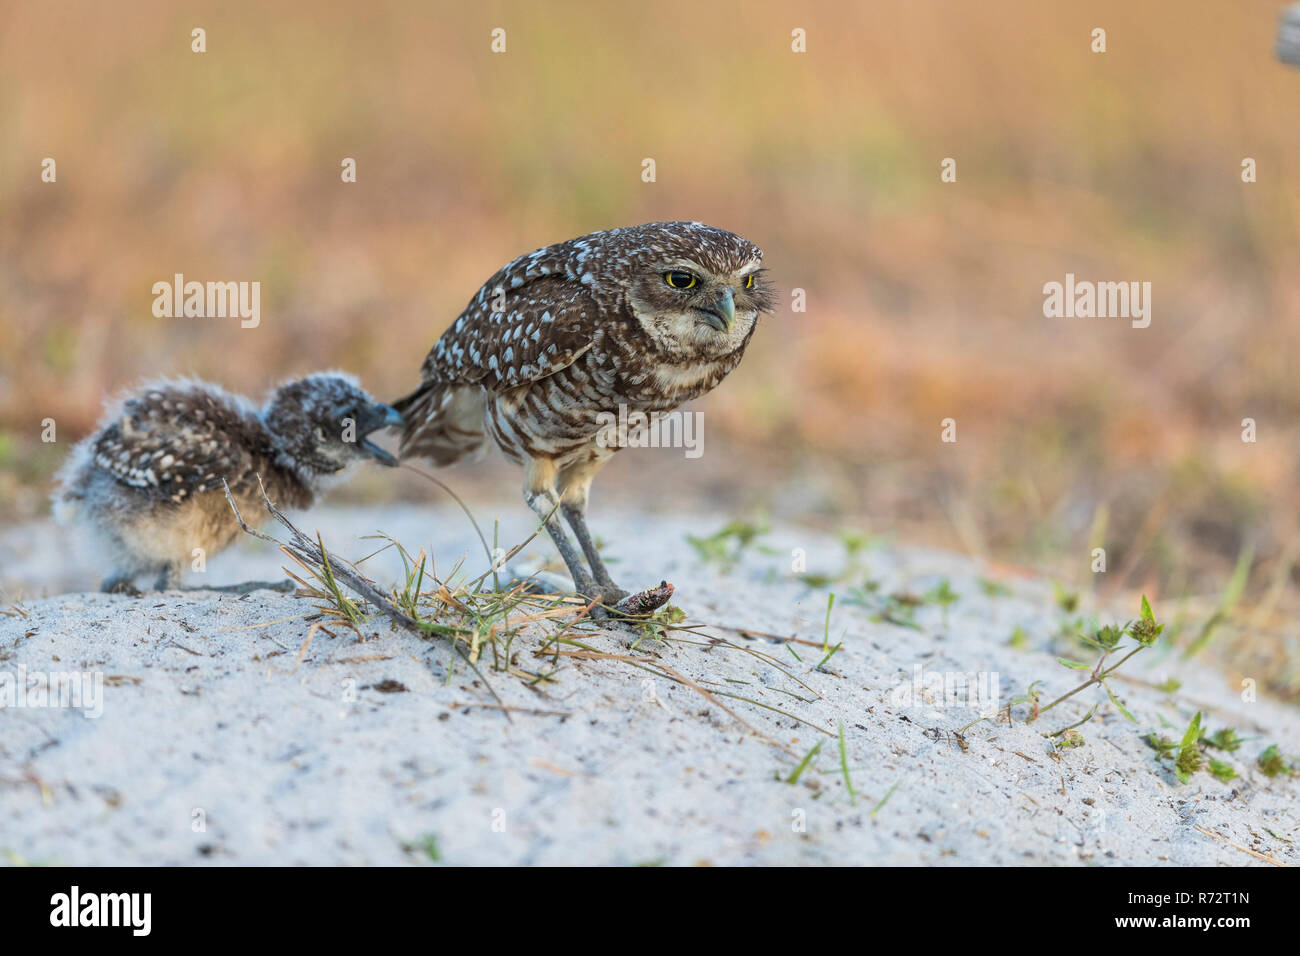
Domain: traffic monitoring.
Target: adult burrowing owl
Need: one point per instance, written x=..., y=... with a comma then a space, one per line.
x=149, y=480
x=645, y=318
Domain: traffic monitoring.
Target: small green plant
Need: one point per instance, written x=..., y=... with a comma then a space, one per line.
x=827, y=650
x=1069, y=739
x=1226, y=740
x=1162, y=745
x=1106, y=640
x=943, y=595
x=1145, y=631
x=1271, y=763
x=804, y=763
x=855, y=542
x=829, y=654
x=1018, y=639
x=427, y=845
x=844, y=768
x=899, y=609
x=727, y=546
x=993, y=588
x=662, y=620
x=865, y=594
x=1189, y=759
x=1067, y=601
x=826, y=631
x=1221, y=771
x=817, y=580
x=1227, y=602
x=1031, y=697
x=885, y=799
x=1189, y=754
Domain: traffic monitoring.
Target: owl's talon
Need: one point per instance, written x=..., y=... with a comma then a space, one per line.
x=646, y=602
x=614, y=602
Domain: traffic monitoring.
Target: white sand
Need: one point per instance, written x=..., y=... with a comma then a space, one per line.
x=284, y=767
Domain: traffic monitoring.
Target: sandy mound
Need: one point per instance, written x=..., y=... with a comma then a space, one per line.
x=216, y=744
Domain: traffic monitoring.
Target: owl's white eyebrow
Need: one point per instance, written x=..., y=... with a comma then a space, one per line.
x=697, y=269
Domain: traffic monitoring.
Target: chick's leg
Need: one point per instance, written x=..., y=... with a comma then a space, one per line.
x=169, y=578
x=248, y=587
x=120, y=582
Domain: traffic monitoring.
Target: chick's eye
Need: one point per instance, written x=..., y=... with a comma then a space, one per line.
x=679, y=280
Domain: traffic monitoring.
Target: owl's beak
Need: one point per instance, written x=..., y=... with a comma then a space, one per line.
x=372, y=419
x=722, y=314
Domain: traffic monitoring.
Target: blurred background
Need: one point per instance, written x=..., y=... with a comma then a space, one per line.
x=924, y=298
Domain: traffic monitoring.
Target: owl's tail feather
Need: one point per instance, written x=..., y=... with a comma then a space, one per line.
x=444, y=423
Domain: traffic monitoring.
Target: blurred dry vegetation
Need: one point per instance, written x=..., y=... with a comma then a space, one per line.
x=924, y=299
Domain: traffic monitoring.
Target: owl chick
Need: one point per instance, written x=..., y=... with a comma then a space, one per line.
x=640, y=319
x=149, y=480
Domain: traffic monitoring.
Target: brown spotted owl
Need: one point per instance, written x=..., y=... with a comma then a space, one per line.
x=639, y=319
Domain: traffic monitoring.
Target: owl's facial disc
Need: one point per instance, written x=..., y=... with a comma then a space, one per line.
x=692, y=310
x=710, y=299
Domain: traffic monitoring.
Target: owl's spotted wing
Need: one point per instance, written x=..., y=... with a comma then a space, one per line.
x=520, y=327
x=174, y=443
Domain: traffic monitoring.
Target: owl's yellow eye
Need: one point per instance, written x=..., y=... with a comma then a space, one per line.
x=680, y=280
x=749, y=281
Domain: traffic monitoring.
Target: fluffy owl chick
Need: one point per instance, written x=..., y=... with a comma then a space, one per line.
x=642, y=319
x=149, y=480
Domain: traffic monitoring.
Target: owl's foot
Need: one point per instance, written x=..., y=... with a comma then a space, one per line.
x=647, y=601
x=614, y=602
x=606, y=598
x=121, y=585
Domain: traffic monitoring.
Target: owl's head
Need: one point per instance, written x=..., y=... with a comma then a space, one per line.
x=320, y=424
x=696, y=290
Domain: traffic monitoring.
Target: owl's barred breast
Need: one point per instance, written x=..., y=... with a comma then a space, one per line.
x=562, y=415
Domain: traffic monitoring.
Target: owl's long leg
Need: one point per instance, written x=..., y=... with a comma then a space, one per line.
x=577, y=518
x=575, y=485
x=539, y=492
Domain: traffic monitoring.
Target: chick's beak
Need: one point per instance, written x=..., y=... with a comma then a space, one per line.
x=721, y=315
x=372, y=418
